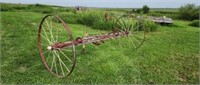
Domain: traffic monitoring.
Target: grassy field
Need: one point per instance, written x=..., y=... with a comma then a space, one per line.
x=169, y=55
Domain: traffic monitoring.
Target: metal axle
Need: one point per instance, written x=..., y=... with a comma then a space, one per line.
x=89, y=39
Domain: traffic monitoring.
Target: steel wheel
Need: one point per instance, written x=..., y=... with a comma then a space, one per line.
x=136, y=28
x=59, y=62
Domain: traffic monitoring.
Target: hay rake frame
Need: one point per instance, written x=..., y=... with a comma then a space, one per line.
x=62, y=64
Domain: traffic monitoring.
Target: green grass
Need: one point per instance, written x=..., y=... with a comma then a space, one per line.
x=169, y=55
x=165, y=9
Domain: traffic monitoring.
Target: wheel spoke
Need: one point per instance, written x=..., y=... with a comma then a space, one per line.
x=44, y=45
x=57, y=29
x=57, y=34
x=51, y=23
x=66, y=50
x=46, y=39
x=65, y=55
x=61, y=62
x=48, y=56
x=136, y=40
x=56, y=66
x=44, y=52
x=50, y=30
x=131, y=42
x=52, y=63
x=58, y=56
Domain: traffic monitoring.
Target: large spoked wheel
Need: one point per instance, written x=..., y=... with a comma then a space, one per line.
x=136, y=29
x=61, y=61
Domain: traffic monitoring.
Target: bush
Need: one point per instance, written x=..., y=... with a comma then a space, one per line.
x=94, y=19
x=146, y=25
x=173, y=15
x=103, y=25
x=6, y=7
x=138, y=11
x=151, y=26
x=189, y=12
x=195, y=23
x=69, y=17
x=89, y=18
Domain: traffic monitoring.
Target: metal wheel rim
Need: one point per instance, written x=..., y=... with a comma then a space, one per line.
x=144, y=33
x=41, y=51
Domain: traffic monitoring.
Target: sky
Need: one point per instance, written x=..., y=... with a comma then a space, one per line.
x=110, y=3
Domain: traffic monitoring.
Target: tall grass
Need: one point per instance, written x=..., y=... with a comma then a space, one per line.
x=195, y=23
x=148, y=26
x=40, y=8
x=104, y=25
x=96, y=20
x=173, y=15
x=92, y=18
x=69, y=17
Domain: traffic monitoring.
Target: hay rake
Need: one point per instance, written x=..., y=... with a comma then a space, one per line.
x=57, y=46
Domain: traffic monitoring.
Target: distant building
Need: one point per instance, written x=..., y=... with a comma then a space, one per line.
x=80, y=8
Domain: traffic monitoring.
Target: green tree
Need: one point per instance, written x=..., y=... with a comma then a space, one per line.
x=138, y=10
x=133, y=10
x=145, y=9
x=189, y=12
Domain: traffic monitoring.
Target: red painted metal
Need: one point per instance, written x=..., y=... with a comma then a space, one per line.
x=90, y=39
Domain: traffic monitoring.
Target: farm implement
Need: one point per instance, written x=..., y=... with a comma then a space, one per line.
x=57, y=47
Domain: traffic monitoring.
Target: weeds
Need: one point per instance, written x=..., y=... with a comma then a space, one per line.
x=195, y=23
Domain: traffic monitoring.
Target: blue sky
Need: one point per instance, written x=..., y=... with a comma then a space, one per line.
x=110, y=3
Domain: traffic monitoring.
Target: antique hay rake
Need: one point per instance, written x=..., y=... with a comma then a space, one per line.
x=57, y=46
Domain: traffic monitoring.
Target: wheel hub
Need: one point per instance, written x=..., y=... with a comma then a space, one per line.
x=49, y=48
